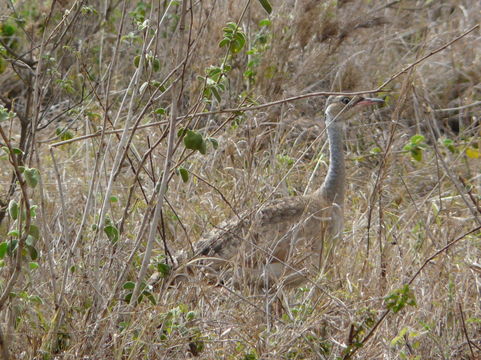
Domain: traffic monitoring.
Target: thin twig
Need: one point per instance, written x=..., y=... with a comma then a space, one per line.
x=466, y=331
x=474, y=104
x=327, y=93
x=162, y=186
x=352, y=351
x=24, y=232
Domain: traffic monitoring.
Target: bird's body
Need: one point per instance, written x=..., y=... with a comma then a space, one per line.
x=287, y=238
x=282, y=239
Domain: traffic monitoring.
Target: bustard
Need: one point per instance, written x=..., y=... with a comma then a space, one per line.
x=288, y=238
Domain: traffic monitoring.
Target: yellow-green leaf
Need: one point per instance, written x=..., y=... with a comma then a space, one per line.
x=473, y=153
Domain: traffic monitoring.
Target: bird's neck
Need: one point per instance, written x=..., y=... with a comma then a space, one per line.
x=333, y=187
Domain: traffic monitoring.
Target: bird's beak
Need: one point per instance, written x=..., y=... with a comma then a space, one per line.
x=368, y=101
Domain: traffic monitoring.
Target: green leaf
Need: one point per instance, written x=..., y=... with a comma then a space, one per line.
x=32, y=177
x=194, y=141
x=417, y=139
x=12, y=246
x=417, y=154
x=264, y=22
x=214, y=72
x=184, y=174
x=214, y=142
x=114, y=199
x=14, y=233
x=238, y=42
x=3, y=249
x=191, y=315
x=8, y=29
x=5, y=114
x=163, y=268
x=159, y=111
x=34, y=231
x=156, y=65
x=266, y=5
x=450, y=145
x=129, y=285
x=216, y=94
x=149, y=296
x=35, y=299
x=17, y=151
x=30, y=240
x=415, y=147
x=137, y=61
x=33, y=211
x=399, y=298
x=182, y=132
x=33, y=265
x=63, y=134
x=127, y=298
x=13, y=209
x=224, y=42
x=203, y=148
x=112, y=233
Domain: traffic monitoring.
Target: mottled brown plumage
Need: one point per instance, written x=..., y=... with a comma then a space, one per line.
x=285, y=239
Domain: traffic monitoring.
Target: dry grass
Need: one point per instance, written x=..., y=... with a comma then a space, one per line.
x=399, y=211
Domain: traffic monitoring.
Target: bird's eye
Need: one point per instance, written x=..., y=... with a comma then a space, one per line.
x=345, y=100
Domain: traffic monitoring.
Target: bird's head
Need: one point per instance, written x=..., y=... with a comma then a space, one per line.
x=340, y=108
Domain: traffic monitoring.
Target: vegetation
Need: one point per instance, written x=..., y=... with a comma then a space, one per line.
x=130, y=128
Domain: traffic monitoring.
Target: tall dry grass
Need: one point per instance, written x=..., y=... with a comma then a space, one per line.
x=399, y=211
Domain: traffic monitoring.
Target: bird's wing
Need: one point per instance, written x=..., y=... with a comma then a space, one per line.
x=226, y=239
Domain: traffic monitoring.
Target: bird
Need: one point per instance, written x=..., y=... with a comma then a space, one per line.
x=286, y=239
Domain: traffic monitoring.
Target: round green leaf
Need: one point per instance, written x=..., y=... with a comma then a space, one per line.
x=163, y=268
x=193, y=140
x=112, y=233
